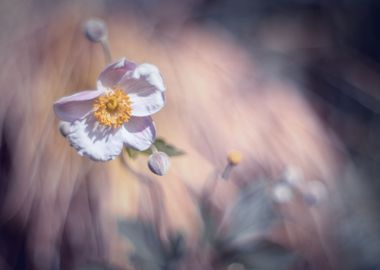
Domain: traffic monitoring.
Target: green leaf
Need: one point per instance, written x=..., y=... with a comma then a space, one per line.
x=133, y=154
x=161, y=145
x=167, y=148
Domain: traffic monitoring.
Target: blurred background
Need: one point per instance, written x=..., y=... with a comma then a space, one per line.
x=291, y=84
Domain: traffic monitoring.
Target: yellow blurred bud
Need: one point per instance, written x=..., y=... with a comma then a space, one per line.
x=234, y=157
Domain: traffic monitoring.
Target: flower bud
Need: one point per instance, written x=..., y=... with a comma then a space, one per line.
x=315, y=192
x=294, y=176
x=282, y=193
x=95, y=30
x=234, y=157
x=64, y=128
x=159, y=163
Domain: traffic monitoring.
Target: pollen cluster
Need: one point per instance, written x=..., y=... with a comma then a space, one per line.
x=112, y=109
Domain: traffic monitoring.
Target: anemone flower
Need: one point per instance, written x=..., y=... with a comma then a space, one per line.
x=99, y=122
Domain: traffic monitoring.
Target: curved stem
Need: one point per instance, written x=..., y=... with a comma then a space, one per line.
x=227, y=171
x=156, y=193
x=106, y=51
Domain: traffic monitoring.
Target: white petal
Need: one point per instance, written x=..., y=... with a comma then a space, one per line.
x=140, y=133
x=146, y=102
x=150, y=74
x=95, y=141
x=145, y=87
x=76, y=106
x=143, y=77
x=64, y=128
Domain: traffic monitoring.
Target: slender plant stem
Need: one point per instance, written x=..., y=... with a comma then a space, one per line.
x=227, y=171
x=157, y=194
x=106, y=51
x=154, y=148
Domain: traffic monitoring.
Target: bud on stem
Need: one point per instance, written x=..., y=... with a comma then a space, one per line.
x=233, y=159
x=158, y=162
x=95, y=30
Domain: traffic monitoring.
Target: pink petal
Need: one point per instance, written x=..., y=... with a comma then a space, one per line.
x=140, y=133
x=74, y=107
x=100, y=143
x=112, y=74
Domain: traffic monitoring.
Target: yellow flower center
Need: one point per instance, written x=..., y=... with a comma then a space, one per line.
x=113, y=109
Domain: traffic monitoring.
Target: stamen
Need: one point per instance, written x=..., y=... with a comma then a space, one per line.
x=113, y=109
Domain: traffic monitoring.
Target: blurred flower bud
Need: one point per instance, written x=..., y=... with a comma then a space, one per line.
x=234, y=157
x=159, y=163
x=315, y=192
x=294, y=176
x=282, y=193
x=95, y=30
x=64, y=128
